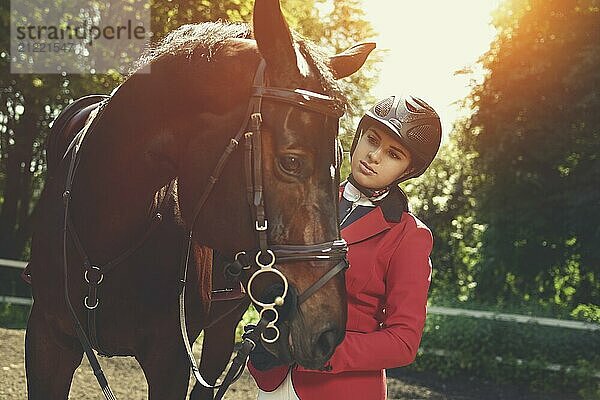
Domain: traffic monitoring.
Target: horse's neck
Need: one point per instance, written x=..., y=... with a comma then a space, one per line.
x=155, y=113
x=115, y=186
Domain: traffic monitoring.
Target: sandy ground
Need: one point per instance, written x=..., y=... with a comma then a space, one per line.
x=127, y=381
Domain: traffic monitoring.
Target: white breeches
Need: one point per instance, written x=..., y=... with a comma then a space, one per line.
x=285, y=391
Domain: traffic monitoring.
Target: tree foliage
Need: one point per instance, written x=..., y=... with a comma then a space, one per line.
x=538, y=143
x=518, y=216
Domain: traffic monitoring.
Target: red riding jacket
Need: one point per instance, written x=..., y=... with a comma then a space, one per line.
x=387, y=285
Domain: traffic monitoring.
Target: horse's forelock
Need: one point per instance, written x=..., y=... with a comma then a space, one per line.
x=209, y=36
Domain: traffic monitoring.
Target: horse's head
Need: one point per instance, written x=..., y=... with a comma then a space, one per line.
x=301, y=180
x=296, y=179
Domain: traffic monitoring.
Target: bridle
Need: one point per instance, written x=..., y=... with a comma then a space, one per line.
x=265, y=257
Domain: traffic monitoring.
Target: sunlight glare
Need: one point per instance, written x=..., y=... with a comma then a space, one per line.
x=425, y=43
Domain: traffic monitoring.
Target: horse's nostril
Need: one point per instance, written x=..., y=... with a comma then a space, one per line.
x=326, y=342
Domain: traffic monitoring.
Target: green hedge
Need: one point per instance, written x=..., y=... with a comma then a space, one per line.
x=13, y=316
x=509, y=352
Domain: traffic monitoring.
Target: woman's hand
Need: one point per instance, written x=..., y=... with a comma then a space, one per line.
x=260, y=358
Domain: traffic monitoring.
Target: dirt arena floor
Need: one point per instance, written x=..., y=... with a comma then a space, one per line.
x=127, y=381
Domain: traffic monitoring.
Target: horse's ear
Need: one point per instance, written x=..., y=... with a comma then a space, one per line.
x=350, y=60
x=274, y=39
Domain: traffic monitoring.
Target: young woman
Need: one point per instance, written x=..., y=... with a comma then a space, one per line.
x=390, y=270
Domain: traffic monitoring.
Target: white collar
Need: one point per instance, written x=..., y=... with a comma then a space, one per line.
x=355, y=196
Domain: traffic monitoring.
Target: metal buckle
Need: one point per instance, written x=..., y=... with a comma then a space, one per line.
x=256, y=119
x=261, y=228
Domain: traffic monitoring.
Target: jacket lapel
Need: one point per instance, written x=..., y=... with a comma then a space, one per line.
x=368, y=226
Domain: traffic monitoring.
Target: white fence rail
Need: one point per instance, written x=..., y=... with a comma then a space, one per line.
x=562, y=323
x=12, y=263
x=24, y=301
x=518, y=361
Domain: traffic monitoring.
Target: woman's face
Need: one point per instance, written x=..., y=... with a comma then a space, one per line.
x=379, y=159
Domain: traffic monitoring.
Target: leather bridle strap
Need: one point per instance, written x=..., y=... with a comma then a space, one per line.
x=239, y=361
x=342, y=265
x=253, y=105
x=326, y=251
x=315, y=102
x=258, y=204
x=335, y=250
x=233, y=144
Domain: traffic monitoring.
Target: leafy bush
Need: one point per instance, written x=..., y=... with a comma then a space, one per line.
x=249, y=317
x=13, y=315
x=508, y=352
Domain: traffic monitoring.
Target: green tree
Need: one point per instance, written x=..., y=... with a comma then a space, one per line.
x=28, y=104
x=536, y=134
x=513, y=197
x=445, y=198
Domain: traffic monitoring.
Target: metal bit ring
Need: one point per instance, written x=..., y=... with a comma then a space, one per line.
x=261, y=271
x=273, y=339
x=270, y=264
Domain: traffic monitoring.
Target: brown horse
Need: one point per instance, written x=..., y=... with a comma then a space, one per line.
x=172, y=125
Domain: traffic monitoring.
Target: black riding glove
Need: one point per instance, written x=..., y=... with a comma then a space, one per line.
x=260, y=357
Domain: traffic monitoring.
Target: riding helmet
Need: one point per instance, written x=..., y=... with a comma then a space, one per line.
x=414, y=122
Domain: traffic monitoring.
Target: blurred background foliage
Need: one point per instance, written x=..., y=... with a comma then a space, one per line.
x=513, y=198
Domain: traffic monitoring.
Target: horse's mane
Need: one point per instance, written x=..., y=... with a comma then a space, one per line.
x=206, y=39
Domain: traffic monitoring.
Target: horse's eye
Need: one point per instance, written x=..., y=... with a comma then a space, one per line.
x=291, y=164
